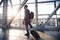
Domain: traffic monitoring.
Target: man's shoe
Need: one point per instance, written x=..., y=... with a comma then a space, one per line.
x=27, y=35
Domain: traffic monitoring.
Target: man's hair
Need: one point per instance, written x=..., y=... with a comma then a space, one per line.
x=25, y=6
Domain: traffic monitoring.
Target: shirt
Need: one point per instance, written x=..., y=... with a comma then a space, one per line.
x=27, y=14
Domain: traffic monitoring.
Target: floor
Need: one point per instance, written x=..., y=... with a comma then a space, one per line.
x=15, y=34
x=19, y=35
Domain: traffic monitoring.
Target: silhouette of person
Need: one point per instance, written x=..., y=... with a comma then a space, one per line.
x=27, y=20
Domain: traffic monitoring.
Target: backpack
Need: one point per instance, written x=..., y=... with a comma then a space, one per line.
x=31, y=15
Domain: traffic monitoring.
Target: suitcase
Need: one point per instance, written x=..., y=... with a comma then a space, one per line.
x=35, y=34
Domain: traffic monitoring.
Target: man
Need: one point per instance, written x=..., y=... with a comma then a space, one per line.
x=27, y=20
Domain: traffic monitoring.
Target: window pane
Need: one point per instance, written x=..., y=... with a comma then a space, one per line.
x=1, y=12
x=1, y=16
x=57, y=3
x=29, y=1
x=12, y=11
x=45, y=8
x=44, y=0
x=14, y=2
x=58, y=11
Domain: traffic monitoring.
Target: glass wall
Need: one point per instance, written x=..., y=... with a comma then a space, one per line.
x=14, y=2
x=45, y=8
x=44, y=11
x=44, y=0
x=58, y=13
x=1, y=16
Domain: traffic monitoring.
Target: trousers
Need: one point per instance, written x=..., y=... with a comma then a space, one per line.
x=27, y=22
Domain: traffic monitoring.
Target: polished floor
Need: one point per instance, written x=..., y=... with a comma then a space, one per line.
x=19, y=35
x=15, y=34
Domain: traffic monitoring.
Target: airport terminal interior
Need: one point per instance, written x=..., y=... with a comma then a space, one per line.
x=46, y=20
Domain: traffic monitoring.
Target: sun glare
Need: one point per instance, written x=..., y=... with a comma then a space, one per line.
x=13, y=34
x=12, y=12
x=16, y=34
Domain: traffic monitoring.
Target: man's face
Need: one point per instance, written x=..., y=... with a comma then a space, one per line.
x=25, y=7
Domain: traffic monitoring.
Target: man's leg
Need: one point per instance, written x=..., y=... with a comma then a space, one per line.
x=27, y=34
x=30, y=25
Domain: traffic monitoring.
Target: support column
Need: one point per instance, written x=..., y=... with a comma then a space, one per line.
x=36, y=9
x=4, y=28
x=55, y=14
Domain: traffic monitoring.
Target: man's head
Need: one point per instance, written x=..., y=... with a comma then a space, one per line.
x=25, y=6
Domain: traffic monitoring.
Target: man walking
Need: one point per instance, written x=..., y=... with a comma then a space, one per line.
x=27, y=19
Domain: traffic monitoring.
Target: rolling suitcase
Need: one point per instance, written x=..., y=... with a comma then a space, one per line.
x=35, y=34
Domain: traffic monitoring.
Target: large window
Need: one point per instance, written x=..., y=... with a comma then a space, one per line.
x=44, y=0
x=29, y=1
x=58, y=13
x=44, y=11
x=1, y=13
x=14, y=2
x=45, y=8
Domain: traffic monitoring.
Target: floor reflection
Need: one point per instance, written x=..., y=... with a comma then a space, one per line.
x=46, y=36
x=19, y=35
